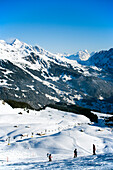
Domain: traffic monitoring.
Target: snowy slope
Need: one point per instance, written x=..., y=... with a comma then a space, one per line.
x=34, y=134
x=102, y=161
x=103, y=59
x=17, y=51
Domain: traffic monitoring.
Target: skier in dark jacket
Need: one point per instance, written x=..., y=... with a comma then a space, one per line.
x=75, y=153
x=50, y=157
x=94, y=149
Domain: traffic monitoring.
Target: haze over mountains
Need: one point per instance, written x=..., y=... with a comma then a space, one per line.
x=38, y=77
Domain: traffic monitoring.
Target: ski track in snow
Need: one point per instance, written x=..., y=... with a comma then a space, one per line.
x=56, y=132
x=96, y=162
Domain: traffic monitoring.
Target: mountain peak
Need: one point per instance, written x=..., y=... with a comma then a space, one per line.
x=79, y=56
x=16, y=42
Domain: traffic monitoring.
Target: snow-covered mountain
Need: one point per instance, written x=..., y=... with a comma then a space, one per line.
x=38, y=77
x=103, y=59
x=79, y=56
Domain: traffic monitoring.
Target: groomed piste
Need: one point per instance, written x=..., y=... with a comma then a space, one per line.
x=26, y=136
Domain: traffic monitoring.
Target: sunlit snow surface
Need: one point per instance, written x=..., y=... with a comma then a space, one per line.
x=55, y=132
x=98, y=162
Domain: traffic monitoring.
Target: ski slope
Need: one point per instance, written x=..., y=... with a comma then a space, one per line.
x=27, y=136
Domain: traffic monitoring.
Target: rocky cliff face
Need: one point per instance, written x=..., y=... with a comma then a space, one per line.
x=38, y=77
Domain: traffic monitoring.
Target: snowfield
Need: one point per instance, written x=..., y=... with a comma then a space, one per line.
x=26, y=136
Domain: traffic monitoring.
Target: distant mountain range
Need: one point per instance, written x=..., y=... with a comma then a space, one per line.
x=38, y=77
x=79, y=56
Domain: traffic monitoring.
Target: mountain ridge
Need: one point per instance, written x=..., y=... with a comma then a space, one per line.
x=38, y=77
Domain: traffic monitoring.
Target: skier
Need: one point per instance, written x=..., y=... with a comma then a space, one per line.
x=50, y=157
x=75, y=153
x=94, y=149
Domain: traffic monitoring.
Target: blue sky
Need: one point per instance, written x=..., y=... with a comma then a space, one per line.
x=59, y=25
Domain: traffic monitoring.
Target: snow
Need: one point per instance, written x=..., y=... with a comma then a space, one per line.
x=32, y=87
x=21, y=55
x=17, y=43
x=17, y=52
x=52, y=98
x=102, y=59
x=33, y=134
x=96, y=68
x=66, y=78
x=78, y=96
x=4, y=83
x=101, y=98
x=79, y=56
